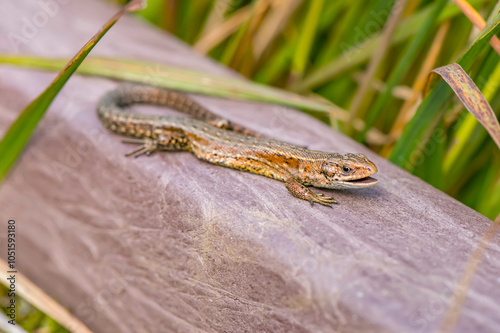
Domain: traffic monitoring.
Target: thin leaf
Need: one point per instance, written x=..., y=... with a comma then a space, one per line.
x=469, y=135
x=471, y=98
x=179, y=79
x=20, y=131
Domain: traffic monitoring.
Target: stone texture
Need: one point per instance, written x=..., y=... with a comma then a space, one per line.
x=170, y=243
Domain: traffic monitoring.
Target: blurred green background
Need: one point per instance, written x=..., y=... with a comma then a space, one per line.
x=370, y=63
x=27, y=316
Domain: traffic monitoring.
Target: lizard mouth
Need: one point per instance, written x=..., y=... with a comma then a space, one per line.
x=363, y=182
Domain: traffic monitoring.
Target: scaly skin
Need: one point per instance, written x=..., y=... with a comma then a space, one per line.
x=218, y=141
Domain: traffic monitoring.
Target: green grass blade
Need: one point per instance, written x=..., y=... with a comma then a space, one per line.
x=191, y=15
x=429, y=168
x=236, y=40
x=482, y=191
x=345, y=23
x=490, y=206
x=150, y=13
x=178, y=79
x=306, y=38
x=401, y=68
x=20, y=131
x=276, y=66
x=405, y=151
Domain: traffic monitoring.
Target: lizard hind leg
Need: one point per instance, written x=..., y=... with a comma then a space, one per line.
x=174, y=141
x=147, y=146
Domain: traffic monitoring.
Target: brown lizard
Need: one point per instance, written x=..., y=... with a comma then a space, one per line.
x=216, y=140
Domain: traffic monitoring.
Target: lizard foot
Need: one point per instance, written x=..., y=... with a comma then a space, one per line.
x=299, y=190
x=147, y=146
x=321, y=199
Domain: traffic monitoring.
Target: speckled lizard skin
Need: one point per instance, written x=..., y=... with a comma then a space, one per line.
x=214, y=139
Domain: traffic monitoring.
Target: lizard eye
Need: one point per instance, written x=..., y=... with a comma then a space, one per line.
x=346, y=168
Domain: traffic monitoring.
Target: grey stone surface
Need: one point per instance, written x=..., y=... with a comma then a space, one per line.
x=172, y=244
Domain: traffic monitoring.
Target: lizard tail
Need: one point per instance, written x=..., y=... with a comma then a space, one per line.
x=129, y=94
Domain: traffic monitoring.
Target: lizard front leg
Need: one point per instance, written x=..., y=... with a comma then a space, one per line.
x=299, y=190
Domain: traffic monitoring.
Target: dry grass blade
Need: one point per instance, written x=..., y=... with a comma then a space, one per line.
x=409, y=107
x=179, y=79
x=375, y=61
x=471, y=98
x=477, y=20
x=216, y=16
x=214, y=36
x=461, y=290
x=20, y=131
x=42, y=301
x=273, y=24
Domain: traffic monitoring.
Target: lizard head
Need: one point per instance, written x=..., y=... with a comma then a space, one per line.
x=347, y=171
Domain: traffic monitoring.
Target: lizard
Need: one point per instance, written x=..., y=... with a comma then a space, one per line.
x=216, y=140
